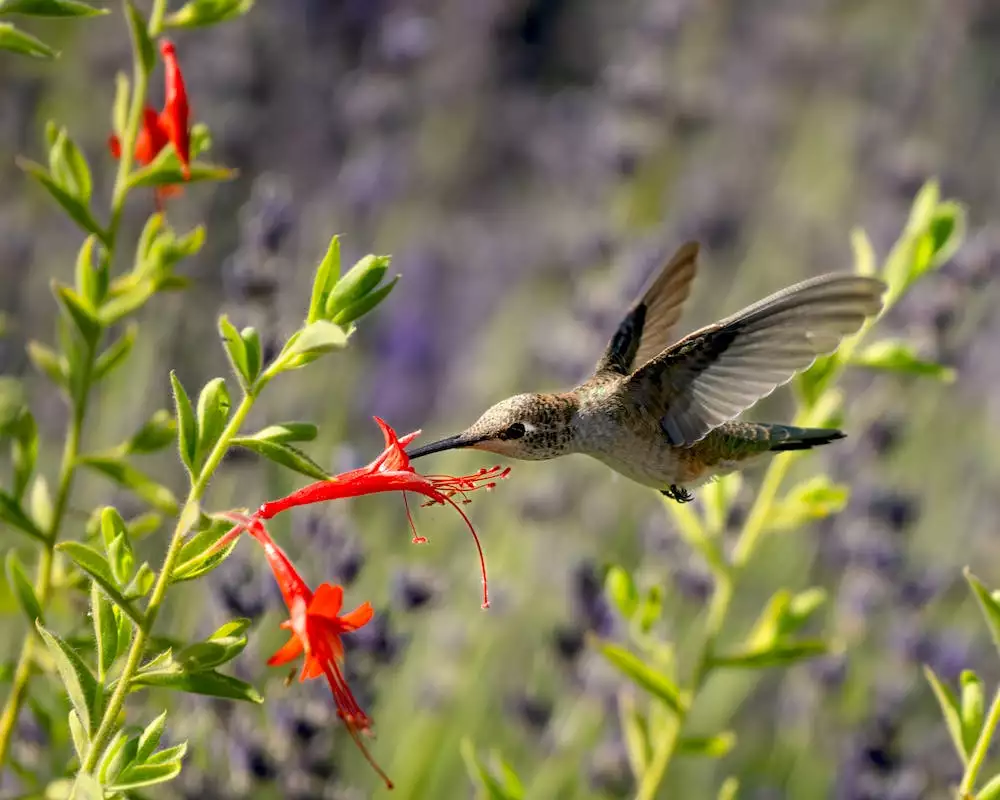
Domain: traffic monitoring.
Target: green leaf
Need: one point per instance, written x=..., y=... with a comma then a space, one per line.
x=165, y=170
x=119, y=109
x=236, y=350
x=768, y=625
x=142, y=45
x=112, y=527
x=135, y=776
x=12, y=514
x=81, y=740
x=97, y=567
x=987, y=604
x=950, y=711
x=85, y=787
x=127, y=302
x=116, y=354
x=197, y=558
x=991, y=791
x=483, y=777
x=283, y=454
x=82, y=314
x=864, y=254
x=899, y=356
x=801, y=608
x=111, y=760
x=213, y=411
x=814, y=499
x=50, y=363
x=105, y=629
x=222, y=646
x=159, y=431
x=635, y=732
x=310, y=343
x=728, y=790
x=187, y=425
x=40, y=504
x=50, y=8
x=643, y=675
x=144, y=524
x=207, y=682
x=359, y=308
x=717, y=746
x=18, y=580
x=326, y=277
x=141, y=583
x=621, y=589
x=150, y=738
x=773, y=655
x=972, y=708
x=18, y=41
x=284, y=432
x=121, y=559
x=24, y=453
x=79, y=682
x=113, y=467
x=71, y=204
x=360, y=279
x=198, y=13
x=69, y=168
x=91, y=281
x=652, y=609
x=251, y=339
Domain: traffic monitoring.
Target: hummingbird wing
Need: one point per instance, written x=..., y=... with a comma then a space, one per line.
x=713, y=374
x=648, y=325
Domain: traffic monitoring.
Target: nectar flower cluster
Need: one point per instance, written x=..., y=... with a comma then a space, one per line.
x=315, y=622
x=170, y=126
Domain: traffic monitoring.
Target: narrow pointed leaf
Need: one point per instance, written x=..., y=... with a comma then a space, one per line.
x=951, y=712
x=73, y=206
x=775, y=655
x=972, y=705
x=166, y=169
x=105, y=629
x=236, y=350
x=149, y=739
x=81, y=740
x=359, y=280
x=187, y=424
x=635, y=732
x=359, y=308
x=50, y=8
x=111, y=760
x=729, y=789
x=255, y=357
x=989, y=606
x=199, y=13
x=622, y=591
x=284, y=432
x=50, y=363
x=79, y=682
x=116, y=353
x=18, y=41
x=209, y=682
x=17, y=578
x=142, y=45
x=13, y=515
x=97, y=567
x=158, y=496
x=708, y=746
x=283, y=454
x=311, y=342
x=135, y=776
x=159, y=431
x=643, y=675
x=197, y=556
x=899, y=356
x=79, y=311
x=482, y=776
x=213, y=410
x=327, y=275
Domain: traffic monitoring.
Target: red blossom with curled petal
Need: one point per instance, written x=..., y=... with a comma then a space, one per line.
x=316, y=625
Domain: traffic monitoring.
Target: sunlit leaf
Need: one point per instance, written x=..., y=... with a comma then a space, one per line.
x=899, y=356
x=142, y=45
x=135, y=776
x=105, y=629
x=13, y=515
x=359, y=308
x=643, y=675
x=813, y=499
x=187, y=424
x=18, y=41
x=284, y=432
x=213, y=411
x=774, y=655
x=708, y=746
x=81, y=740
x=622, y=591
x=80, y=684
x=82, y=314
x=485, y=779
x=158, y=496
x=150, y=738
x=972, y=704
x=198, y=13
x=207, y=682
x=197, y=555
x=116, y=353
x=18, y=580
x=326, y=277
x=987, y=604
x=359, y=280
x=311, y=342
x=283, y=454
x=50, y=8
x=951, y=712
x=73, y=206
x=97, y=567
x=236, y=350
x=50, y=363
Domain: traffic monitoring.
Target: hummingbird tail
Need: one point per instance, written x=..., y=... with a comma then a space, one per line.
x=783, y=438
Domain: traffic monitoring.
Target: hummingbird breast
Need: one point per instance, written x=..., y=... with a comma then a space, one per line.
x=632, y=443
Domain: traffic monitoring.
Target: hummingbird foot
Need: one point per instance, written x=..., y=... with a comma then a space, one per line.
x=678, y=493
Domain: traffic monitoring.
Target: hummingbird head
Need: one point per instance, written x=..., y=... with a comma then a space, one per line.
x=530, y=427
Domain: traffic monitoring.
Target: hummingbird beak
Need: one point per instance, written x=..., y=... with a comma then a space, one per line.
x=451, y=443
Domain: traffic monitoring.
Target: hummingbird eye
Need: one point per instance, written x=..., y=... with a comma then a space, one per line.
x=515, y=431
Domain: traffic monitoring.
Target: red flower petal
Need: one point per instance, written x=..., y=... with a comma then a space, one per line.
x=327, y=601
x=175, y=117
x=357, y=618
x=289, y=651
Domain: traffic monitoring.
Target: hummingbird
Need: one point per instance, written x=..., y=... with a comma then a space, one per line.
x=664, y=414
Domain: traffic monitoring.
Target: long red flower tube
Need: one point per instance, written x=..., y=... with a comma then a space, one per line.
x=389, y=472
x=316, y=625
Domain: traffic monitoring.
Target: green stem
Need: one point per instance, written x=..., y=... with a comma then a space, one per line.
x=43, y=577
x=725, y=581
x=982, y=746
x=109, y=720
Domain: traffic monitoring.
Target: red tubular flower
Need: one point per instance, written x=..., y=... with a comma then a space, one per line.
x=170, y=126
x=390, y=472
x=316, y=626
x=175, y=117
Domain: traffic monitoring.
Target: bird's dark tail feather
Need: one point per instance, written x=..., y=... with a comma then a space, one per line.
x=787, y=437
